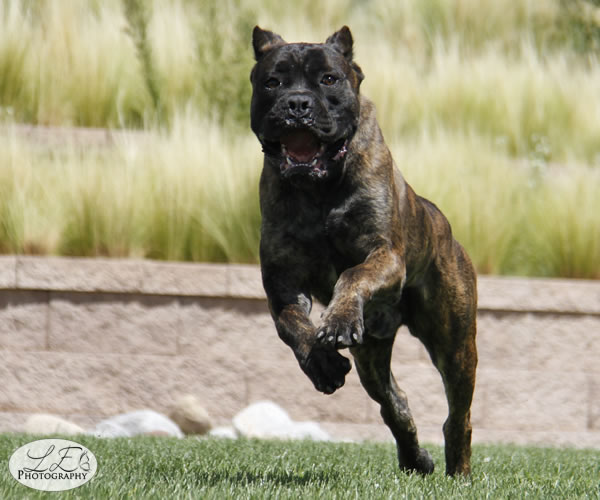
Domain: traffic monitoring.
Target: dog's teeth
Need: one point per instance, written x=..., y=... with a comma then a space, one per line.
x=340, y=339
x=321, y=334
x=314, y=162
x=355, y=336
x=330, y=339
x=289, y=160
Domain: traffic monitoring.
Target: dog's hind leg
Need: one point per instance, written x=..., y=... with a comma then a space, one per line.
x=458, y=373
x=372, y=360
x=447, y=327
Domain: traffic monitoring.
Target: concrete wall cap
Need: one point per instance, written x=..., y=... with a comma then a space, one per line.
x=8, y=272
x=77, y=274
x=549, y=295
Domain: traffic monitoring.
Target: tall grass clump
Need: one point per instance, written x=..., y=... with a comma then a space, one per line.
x=131, y=62
x=519, y=218
x=520, y=101
x=202, y=196
x=565, y=226
x=27, y=204
x=187, y=194
x=69, y=63
x=194, y=54
x=491, y=108
x=472, y=182
x=14, y=43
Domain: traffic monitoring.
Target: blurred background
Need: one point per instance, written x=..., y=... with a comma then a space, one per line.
x=491, y=109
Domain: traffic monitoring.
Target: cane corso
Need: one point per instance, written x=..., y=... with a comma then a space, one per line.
x=341, y=225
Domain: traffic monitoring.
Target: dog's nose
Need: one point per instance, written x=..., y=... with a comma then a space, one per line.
x=300, y=105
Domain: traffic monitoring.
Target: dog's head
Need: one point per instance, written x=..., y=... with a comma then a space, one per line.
x=305, y=104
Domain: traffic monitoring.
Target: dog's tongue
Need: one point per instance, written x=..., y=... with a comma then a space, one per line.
x=301, y=145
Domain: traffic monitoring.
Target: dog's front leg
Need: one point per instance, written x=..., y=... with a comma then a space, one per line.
x=342, y=322
x=325, y=367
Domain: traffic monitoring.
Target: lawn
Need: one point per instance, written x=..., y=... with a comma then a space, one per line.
x=169, y=468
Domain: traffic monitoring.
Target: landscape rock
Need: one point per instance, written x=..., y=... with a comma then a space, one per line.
x=135, y=423
x=191, y=417
x=42, y=423
x=266, y=419
x=309, y=430
x=224, y=432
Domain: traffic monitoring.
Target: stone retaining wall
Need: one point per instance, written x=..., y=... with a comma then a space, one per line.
x=89, y=338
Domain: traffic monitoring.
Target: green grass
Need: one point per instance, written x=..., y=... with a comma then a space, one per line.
x=170, y=468
x=490, y=107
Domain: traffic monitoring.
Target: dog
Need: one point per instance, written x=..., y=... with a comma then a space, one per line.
x=341, y=225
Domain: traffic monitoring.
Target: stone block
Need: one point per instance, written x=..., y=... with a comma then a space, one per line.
x=528, y=341
x=101, y=385
x=23, y=320
x=219, y=329
x=239, y=337
x=593, y=421
x=533, y=400
x=113, y=323
x=79, y=274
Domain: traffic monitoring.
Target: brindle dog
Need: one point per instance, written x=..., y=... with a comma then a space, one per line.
x=341, y=225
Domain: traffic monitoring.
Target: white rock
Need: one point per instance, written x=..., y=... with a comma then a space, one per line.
x=136, y=423
x=310, y=430
x=42, y=423
x=266, y=419
x=224, y=432
x=106, y=428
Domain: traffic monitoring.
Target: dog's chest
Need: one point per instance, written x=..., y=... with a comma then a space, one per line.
x=330, y=242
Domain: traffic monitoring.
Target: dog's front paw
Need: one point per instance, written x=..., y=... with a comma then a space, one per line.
x=326, y=369
x=341, y=327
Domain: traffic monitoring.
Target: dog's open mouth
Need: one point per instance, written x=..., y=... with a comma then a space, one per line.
x=303, y=152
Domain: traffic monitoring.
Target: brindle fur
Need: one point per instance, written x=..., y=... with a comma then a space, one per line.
x=375, y=253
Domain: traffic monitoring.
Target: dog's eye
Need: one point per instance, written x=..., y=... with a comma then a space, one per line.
x=272, y=83
x=328, y=80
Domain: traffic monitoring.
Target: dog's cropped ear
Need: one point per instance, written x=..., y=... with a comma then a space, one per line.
x=342, y=42
x=263, y=41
